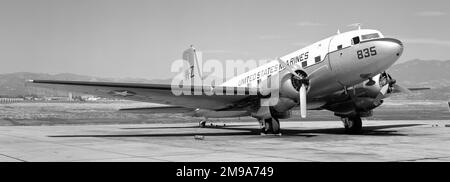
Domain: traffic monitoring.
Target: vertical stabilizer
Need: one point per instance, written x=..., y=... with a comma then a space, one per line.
x=194, y=72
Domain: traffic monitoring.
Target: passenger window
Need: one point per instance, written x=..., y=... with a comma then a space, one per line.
x=317, y=59
x=304, y=64
x=355, y=40
x=339, y=47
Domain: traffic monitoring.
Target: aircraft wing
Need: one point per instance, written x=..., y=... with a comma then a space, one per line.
x=156, y=93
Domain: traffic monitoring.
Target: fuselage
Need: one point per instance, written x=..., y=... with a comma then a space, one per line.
x=337, y=62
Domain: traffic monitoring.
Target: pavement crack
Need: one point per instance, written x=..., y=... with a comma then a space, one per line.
x=21, y=160
x=425, y=158
x=77, y=146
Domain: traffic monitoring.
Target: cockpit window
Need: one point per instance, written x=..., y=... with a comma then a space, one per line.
x=355, y=40
x=370, y=36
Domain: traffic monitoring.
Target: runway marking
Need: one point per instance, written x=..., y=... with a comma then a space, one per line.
x=14, y=158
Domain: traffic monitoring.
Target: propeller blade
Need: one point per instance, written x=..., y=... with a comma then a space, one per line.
x=380, y=95
x=384, y=89
x=302, y=90
x=289, y=68
x=398, y=88
x=389, y=76
x=302, y=97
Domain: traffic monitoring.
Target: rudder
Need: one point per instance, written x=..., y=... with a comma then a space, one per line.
x=190, y=55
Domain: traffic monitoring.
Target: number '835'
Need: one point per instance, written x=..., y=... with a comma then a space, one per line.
x=367, y=52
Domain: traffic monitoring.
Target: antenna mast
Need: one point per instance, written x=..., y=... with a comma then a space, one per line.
x=355, y=25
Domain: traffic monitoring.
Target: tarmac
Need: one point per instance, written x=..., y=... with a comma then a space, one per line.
x=399, y=140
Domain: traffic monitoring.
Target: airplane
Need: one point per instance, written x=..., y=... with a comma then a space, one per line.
x=344, y=73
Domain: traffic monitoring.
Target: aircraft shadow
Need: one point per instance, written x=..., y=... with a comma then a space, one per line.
x=368, y=130
x=175, y=127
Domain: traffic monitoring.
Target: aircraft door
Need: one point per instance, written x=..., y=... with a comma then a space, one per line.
x=339, y=58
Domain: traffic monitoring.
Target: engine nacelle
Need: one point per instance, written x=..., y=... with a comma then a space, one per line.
x=366, y=103
x=290, y=85
x=280, y=109
x=281, y=115
x=350, y=107
x=284, y=104
x=373, y=89
x=365, y=96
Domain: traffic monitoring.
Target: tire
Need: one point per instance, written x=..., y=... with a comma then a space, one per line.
x=354, y=125
x=272, y=126
x=275, y=126
x=267, y=126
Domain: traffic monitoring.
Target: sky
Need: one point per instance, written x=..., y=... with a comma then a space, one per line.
x=141, y=38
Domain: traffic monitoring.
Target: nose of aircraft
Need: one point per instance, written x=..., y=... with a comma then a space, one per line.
x=398, y=46
x=391, y=49
x=394, y=46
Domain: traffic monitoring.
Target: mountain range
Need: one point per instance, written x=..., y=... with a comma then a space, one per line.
x=420, y=73
x=415, y=73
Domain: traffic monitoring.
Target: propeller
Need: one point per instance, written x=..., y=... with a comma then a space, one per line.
x=381, y=95
x=401, y=89
x=302, y=91
x=302, y=96
x=397, y=88
x=391, y=83
x=289, y=68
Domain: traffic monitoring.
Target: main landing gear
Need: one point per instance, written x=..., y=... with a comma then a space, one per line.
x=352, y=124
x=270, y=126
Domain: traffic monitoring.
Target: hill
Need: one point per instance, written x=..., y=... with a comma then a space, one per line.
x=414, y=73
x=14, y=84
x=421, y=73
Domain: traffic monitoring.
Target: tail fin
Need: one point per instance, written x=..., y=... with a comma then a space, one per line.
x=194, y=73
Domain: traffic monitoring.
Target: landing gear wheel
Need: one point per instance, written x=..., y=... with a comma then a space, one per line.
x=271, y=126
x=275, y=126
x=267, y=126
x=352, y=124
x=202, y=124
